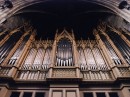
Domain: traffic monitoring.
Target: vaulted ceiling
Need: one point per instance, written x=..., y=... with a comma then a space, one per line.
x=80, y=15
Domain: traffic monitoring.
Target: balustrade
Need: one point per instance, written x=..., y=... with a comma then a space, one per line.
x=124, y=71
x=31, y=75
x=4, y=71
x=96, y=75
x=64, y=73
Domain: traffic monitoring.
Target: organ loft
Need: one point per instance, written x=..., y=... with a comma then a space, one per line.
x=64, y=49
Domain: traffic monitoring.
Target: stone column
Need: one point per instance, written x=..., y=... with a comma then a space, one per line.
x=75, y=56
x=53, y=54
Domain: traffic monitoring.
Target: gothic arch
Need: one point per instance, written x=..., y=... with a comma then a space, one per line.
x=112, y=5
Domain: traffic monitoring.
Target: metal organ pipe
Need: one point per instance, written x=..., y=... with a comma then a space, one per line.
x=4, y=52
x=90, y=59
x=18, y=52
x=64, y=56
x=47, y=58
x=83, y=63
x=38, y=59
x=8, y=45
x=29, y=59
x=121, y=45
x=111, y=51
x=99, y=58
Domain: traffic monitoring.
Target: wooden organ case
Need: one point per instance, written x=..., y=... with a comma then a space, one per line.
x=64, y=60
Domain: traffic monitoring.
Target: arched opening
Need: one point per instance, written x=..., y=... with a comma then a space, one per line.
x=78, y=15
x=64, y=53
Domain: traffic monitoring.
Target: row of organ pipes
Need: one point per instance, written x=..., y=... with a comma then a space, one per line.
x=38, y=58
x=8, y=46
x=18, y=52
x=64, y=53
x=121, y=45
x=111, y=51
x=90, y=55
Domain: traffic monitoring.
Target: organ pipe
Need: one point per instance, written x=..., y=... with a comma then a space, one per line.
x=82, y=59
x=90, y=59
x=47, y=58
x=64, y=56
x=8, y=36
x=30, y=57
x=39, y=56
x=22, y=57
x=8, y=45
x=111, y=51
x=121, y=45
x=18, y=52
x=99, y=58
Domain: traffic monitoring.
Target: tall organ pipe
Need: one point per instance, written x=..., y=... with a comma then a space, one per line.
x=8, y=45
x=18, y=52
x=64, y=56
x=83, y=63
x=39, y=56
x=121, y=45
x=111, y=51
x=47, y=58
x=89, y=57
x=30, y=57
x=99, y=58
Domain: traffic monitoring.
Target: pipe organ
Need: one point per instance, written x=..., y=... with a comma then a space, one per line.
x=38, y=56
x=24, y=58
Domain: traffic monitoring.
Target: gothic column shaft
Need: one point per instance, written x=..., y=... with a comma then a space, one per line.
x=53, y=54
x=76, y=59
